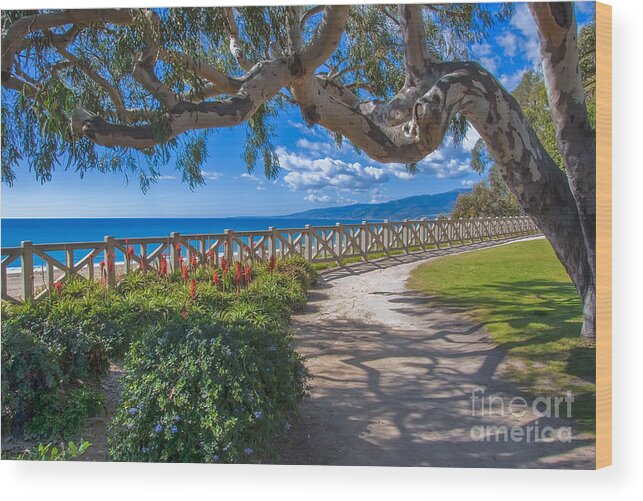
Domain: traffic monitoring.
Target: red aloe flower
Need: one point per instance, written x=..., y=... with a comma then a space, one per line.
x=272, y=263
x=238, y=275
x=178, y=247
x=163, y=265
x=184, y=273
x=192, y=288
x=58, y=286
x=224, y=265
x=184, y=312
x=193, y=261
x=215, y=278
x=180, y=260
x=248, y=276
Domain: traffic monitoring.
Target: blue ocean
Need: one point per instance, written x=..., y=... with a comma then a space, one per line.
x=41, y=231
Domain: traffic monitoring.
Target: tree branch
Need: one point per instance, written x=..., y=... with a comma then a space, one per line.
x=236, y=46
x=111, y=90
x=262, y=84
x=415, y=53
x=220, y=83
x=326, y=39
x=144, y=68
x=310, y=13
x=14, y=35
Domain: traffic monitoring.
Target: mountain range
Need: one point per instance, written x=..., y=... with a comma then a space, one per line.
x=414, y=207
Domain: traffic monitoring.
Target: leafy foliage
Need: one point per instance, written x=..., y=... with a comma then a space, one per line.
x=173, y=332
x=62, y=413
x=490, y=198
x=59, y=79
x=49, y=452
x=203, y=391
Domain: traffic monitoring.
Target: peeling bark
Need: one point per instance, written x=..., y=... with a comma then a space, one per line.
x=576, y=139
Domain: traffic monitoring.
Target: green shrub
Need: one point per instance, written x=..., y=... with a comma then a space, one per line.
x=299, y=269
x=63, y=412
x=57, y=349
x=204, y=391
x=29, y=370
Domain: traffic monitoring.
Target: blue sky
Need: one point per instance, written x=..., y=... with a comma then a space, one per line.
x=315, y=173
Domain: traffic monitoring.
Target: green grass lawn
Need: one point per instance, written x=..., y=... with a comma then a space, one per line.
x=530, y=308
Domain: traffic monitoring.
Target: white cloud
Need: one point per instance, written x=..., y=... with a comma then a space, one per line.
x=250, y=177
x=211, y=175
x=481, y=49
x=490, y=63
x=509, y=43
x=468, y=183
x=528, y=42
x=254, y=179
x=167, y=178
x=306, y=173
x=510, y=82
x=317, y=147
x=484, y=53
x=470, y=139
x=318, y=198
x=523, y=22
x=449, y=169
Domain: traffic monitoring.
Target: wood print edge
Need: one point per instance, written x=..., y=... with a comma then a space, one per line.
x=604, y=235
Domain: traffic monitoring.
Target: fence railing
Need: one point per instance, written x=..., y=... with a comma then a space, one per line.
x=317, y=244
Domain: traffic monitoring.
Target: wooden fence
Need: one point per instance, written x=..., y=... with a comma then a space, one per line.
x=317, y=244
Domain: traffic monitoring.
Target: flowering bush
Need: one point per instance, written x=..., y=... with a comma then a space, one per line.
x=55, y=350
x=204, y=391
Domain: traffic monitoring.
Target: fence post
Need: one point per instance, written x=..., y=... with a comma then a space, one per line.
x=229, y=249
x=338, y=241
x=175, y=254
x=386, y=237
x=364, y=240
x=405, y=235
x=143, y=249
x=273, y=241
x=309, y=244
x=110, y=261
x=69, y=261
x=27, y=270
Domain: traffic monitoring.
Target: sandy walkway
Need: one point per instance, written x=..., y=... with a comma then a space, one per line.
x=392, y=377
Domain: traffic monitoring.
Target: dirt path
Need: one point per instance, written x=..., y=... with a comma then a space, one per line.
x=392, y=377
x=96, y=429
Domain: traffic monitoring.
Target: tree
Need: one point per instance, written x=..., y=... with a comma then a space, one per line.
x=125, y=89
x=490, y=198
x=493, y=198
x=531, y=94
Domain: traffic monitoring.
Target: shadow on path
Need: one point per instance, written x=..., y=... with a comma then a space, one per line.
x=392, y=377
